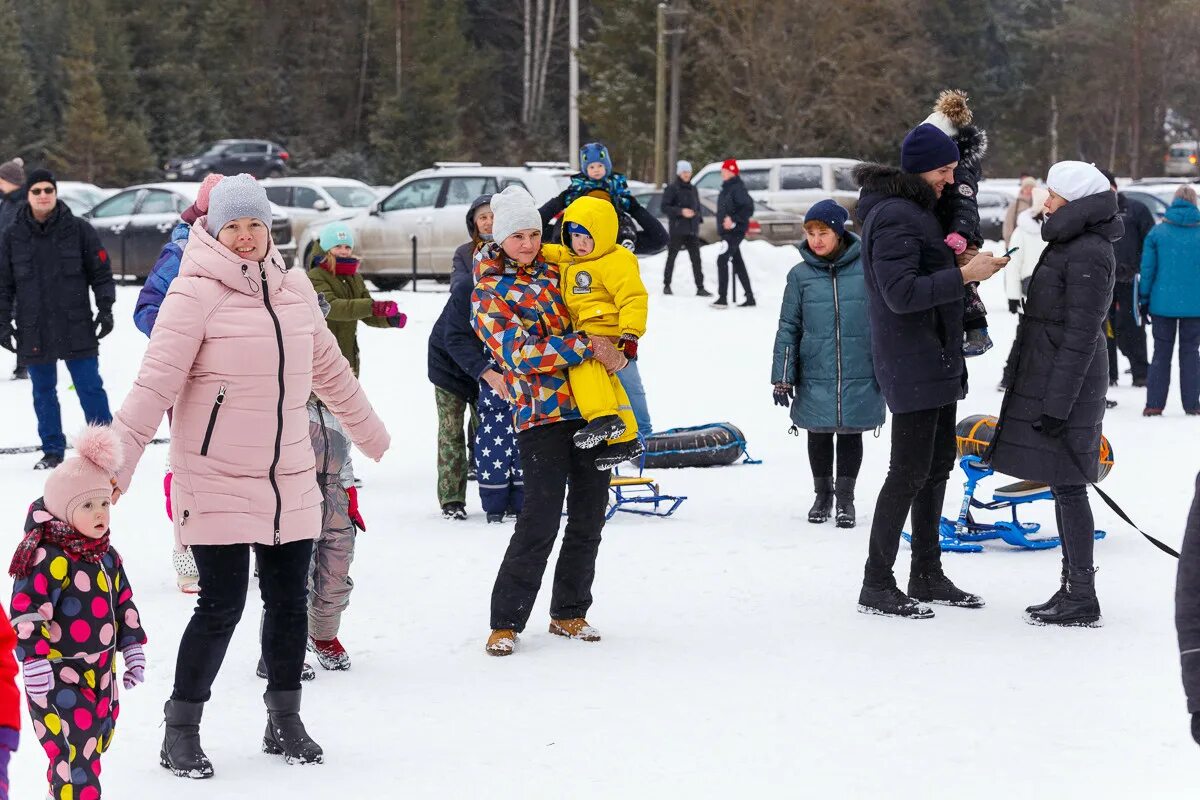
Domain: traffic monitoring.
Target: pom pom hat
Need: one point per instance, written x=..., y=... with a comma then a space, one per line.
x=87, y=475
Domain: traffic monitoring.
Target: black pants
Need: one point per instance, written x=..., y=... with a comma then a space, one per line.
x=224, y=579
x=923, y=452
x=550, y=458
x=733, y=249
x=1076, y=527
x=692, y=242
x=849, y=454
x=1129, y=336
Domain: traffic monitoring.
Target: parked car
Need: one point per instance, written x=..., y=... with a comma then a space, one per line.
x=135, y=223
x=1155, y=196
x=993, y=207
x=1182, y=160
x=426, y=214
x=790, y=184
x=768, y=224
x=81, y=197
x=314, y=201
x=259, y=157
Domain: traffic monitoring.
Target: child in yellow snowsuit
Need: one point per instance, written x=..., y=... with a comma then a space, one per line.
x=605, y=296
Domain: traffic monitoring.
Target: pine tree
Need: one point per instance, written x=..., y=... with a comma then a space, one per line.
x=18, y=133
x=84, y=147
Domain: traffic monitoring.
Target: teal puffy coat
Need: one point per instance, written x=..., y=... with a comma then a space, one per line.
x=823, y=345
x=1171, y=263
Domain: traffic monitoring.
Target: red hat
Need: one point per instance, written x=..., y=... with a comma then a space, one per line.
x=731, y=165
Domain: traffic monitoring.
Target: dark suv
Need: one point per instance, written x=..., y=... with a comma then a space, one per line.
x=260, y=158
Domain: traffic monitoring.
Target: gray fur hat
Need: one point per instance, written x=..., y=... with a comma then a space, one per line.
x=234, y=198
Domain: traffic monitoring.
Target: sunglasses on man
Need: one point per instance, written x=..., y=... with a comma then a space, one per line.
x=36, y=192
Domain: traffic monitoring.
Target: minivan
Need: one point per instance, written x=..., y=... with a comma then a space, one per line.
x=790, y=184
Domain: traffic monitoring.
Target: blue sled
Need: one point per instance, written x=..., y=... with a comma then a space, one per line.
x=958, y=536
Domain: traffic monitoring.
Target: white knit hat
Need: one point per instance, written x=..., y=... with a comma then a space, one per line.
x=513, y=210
x=1072, y=180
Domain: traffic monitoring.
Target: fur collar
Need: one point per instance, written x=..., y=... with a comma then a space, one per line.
x=884, y=181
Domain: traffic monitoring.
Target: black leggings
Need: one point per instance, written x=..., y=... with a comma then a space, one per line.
x=849, y=454
x=1076, y=526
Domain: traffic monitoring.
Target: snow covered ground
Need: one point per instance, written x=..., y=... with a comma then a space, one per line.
x=734, y=663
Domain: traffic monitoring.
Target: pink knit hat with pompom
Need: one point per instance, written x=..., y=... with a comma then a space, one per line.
x=87, y=475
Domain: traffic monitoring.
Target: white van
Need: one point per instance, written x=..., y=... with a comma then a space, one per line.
x=790, y=184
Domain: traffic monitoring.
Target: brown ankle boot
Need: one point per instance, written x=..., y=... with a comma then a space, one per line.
x=576, y=628
x=501, y=642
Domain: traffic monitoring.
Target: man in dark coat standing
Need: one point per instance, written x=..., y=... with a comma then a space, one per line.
x=1187, y=612
x=12, y=196
x=1128, y=333
x=735, y=207
x=48, y=260
x=915, y=294
x=681, y=204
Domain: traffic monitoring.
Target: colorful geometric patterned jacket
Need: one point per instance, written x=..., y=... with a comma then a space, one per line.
x=518, y=312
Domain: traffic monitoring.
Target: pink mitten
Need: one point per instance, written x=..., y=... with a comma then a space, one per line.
x=957, y=243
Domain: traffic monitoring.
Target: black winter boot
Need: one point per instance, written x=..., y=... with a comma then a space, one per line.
x=932, y=586
x=599, y=430
x=1077, y=608
x=285, y=730
x=889, y=601
x=181, y=752
x=823, y=505
x=844, y=492
x=1054, y=598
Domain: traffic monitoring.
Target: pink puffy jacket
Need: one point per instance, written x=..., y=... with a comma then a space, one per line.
x=238, y=349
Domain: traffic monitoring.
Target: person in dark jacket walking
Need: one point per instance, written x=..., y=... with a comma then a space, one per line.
x=1187, y=611
x=12, y=195
x=734, y=209
x=1128, y=332
x=681, y=204
x=458, y=363
x=915, y=294
x=823, y=353
x=1169, y=295
x=1057, y=374
x=48, y=260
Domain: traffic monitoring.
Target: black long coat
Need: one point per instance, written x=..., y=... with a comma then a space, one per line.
x=1059, y=362
x=1187, y=605
x=734, y=202
x=46, y=270
x=914, y=290
x=676, y=197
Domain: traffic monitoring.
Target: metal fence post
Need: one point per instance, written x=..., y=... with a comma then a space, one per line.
x=414, y=261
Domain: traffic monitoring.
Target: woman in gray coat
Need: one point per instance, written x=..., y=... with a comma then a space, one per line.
x=1050, y=423
x=823, y=356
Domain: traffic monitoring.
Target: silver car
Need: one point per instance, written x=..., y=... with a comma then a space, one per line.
x=315, y=201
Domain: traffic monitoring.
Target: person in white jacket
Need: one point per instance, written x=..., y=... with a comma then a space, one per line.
x=1027, y=238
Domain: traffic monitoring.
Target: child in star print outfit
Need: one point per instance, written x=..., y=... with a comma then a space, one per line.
x=497, y=460
x=72, y=609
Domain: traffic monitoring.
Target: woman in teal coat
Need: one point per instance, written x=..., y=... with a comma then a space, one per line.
x=822, y=366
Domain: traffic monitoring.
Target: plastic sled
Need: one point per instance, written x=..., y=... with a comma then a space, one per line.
x=960, y=535
x=640, y=494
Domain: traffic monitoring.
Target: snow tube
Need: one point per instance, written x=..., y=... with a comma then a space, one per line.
x=713, y=445
x=975, y=433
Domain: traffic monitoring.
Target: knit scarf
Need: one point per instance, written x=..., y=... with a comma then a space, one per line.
x=60, y=534
x=342, y=266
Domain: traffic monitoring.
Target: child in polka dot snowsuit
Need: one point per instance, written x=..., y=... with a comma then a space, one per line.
x=72, y=609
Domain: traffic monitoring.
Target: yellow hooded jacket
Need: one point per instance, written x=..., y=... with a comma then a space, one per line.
x=603, y=290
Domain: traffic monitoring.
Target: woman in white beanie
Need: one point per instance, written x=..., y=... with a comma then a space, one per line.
x=518, y=310
x=1057, y=374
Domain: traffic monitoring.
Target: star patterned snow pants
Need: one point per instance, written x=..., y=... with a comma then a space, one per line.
x=497, y=461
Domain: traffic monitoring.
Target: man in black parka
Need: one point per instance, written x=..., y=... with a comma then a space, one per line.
x=681, y=204
x=915, y=295
x=49, y=258
x=735, y=207
x=1187, y=612
x=1128, y=334
x=12, y=197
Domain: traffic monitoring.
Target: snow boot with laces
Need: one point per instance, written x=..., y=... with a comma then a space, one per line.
x=823, y=505
x=844, y=492
x=932, y=586
x=575, y=628
x=285, y=733
x=1078, y=606
x=181, y=752
x=601, y=429
x=889, y=601
x=330, y=654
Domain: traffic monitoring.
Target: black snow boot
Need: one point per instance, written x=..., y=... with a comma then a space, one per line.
x=614, y=454
x=601, y=429
x=845, y=503
x=285, y=730
x=49, y=461
x=1077, y=608
x=1055, y=598
x=181, y=752
x=307, y=673
x=889, y=601
x=930, y=585
x=823, y=505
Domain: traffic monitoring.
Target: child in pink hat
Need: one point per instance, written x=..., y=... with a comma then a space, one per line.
x=72, y=609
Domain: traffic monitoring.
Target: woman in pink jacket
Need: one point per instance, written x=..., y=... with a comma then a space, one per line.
x=239, y=345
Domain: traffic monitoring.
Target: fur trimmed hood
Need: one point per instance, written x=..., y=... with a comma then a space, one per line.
x=972, y=146
x=880, y=182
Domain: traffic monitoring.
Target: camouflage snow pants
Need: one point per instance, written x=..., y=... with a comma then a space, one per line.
x=452, y=448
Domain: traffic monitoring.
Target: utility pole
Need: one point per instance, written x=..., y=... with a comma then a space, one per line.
x=573, y=122
x=673, y=126
x=660, y=96
x=399, y=7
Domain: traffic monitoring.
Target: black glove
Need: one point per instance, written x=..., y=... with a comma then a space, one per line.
x=1051, y=426
x=104, y=324
x=783, y=394
x=1144, y=311
x=8, y=339
x=1196, y=726
x=1014, y=306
